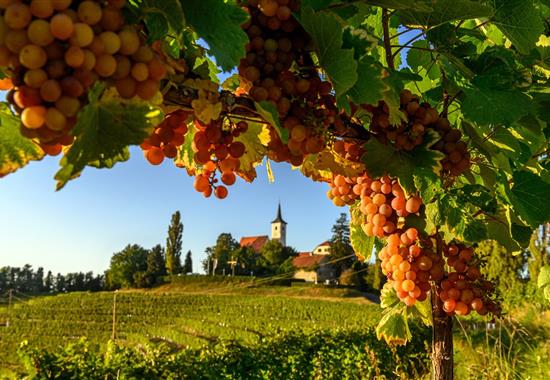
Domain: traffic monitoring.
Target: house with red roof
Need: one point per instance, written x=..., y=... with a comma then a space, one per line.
x=315, y=266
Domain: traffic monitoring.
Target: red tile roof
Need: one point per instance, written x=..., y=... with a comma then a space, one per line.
x=254, y=242
x=324, y=243
x=306, y=260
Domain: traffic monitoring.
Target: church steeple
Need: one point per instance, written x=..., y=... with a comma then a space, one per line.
x=279, y=218
x=278, y=227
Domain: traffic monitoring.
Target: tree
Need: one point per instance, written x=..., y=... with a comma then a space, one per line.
x=155, y=266
x=173, y=245
x=326, y=86
x=219, y=255
x=59, y=283
x=124, y=265
x=340, y=245
x=38, y=281
x=276, y=254
x=188, y=264
x=48, y=282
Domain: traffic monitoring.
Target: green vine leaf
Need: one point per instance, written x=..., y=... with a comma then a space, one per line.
x=370, y=86
x=381, y=159
x=445, y=11
x=186, y=154
x=499, y=229
x=16, y=151
x=388, y=297
x=219, y=24
x=338, y=63
x=520, y=21
x=529, y=195
x=428, y=184
x=394, y=327
x=488, y=106
x=269, y=112
x=105, y=128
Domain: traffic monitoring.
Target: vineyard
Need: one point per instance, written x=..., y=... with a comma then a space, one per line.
x=428, y=119
x=188, y=319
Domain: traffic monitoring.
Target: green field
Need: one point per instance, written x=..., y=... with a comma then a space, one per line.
x=322, y=327
x=180, y=315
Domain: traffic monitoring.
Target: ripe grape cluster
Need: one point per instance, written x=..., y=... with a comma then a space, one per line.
x=463, y=289
x=408, y=134
x=383, y=201
x=217, y=151
x=343, y=190
x=55, y=50
x=410, y=264
x=277, y=68
x=166, y=138
x=457, y=157
x=420, y=118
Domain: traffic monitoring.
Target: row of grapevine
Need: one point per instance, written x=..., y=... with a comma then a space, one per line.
x=190, y=319
x=337, y=354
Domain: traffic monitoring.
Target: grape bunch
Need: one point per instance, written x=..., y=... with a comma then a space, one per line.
x=409, y=133
x=410, y=264
x=277, y=69
x=344, y=191
x=420, y=118
x=383, y=201
x=166, y=138
x=463, y=289
x=55, y=50
x=309, y=115
x=457, y=157
x=275, y=41
x=217, y=151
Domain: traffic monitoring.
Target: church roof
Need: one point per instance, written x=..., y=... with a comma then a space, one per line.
x=254, y=242
x=279, y=218
x=306, y=260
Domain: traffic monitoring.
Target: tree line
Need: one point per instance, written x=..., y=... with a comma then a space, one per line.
x=28, y=280
x=134, y=266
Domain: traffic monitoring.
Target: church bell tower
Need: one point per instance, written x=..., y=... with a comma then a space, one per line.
x=278, y=228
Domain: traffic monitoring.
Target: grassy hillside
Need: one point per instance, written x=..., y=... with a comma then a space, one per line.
x=185, y=314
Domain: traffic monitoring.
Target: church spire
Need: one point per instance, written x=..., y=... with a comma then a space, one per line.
x=278, y=227
x=279, y=218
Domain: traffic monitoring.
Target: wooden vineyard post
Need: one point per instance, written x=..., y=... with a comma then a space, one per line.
x=113, y=330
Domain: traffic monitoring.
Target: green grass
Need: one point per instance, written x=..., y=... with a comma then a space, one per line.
x=181, y=314
x=518, y=347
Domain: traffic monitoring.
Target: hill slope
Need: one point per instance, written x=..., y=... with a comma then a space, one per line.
x=184, y=316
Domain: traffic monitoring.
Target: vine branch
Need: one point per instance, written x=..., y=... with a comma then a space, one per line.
x=387, y=38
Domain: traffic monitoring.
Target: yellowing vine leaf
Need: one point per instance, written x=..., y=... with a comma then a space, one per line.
x=255, y=140
x=15, y=150
x=322, y=166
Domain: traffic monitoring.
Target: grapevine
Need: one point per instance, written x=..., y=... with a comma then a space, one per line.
x=323, y=86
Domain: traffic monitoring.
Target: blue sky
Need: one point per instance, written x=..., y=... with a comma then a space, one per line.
x=81, y=226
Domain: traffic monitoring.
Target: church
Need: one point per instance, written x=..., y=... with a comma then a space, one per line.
x=278, y=232
x=309, y=266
